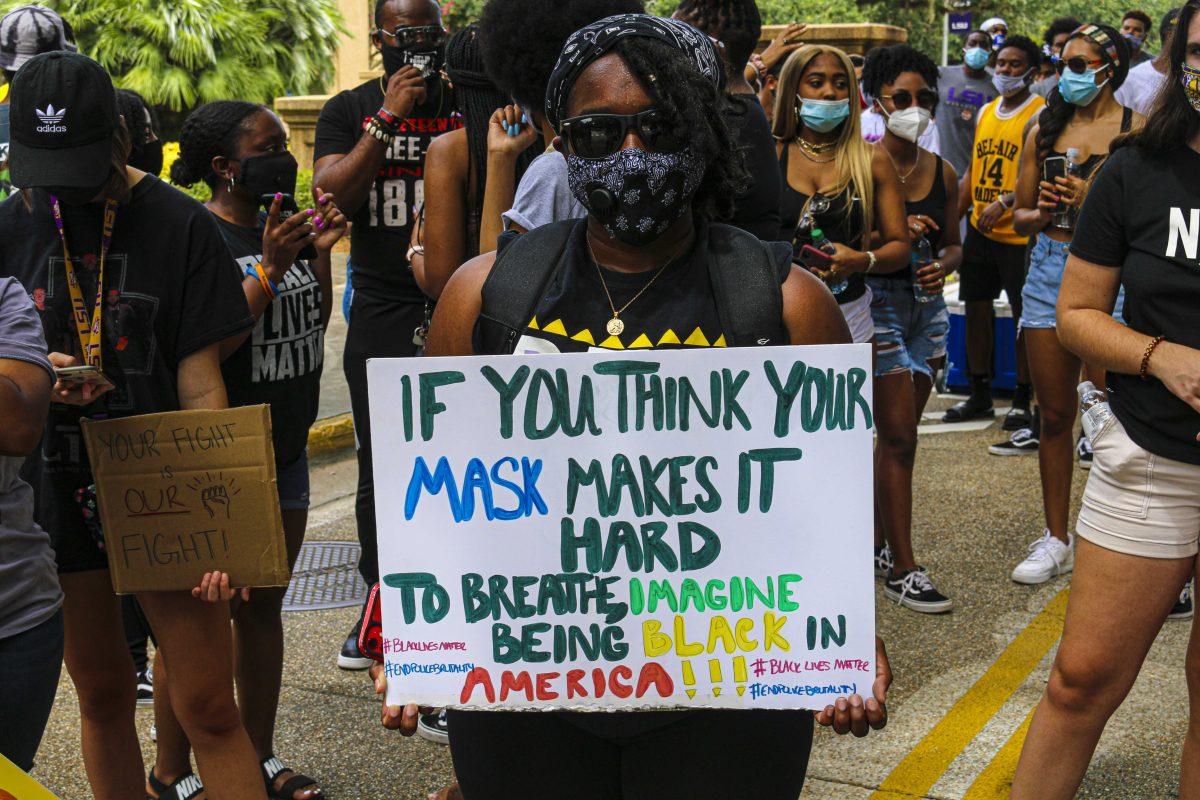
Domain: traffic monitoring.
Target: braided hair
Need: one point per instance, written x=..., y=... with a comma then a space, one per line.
x=694, y=104
x=477, y=98
x=1058, y=112
x=734, y=23
x=211, y=130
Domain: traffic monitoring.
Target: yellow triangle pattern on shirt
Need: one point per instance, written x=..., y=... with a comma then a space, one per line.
x=533, y=323
x=720, y=342
x=697, y=339
x=556, y=327
x=612, y=343
x=585, y=336
x=668, y=338
x=641, y=343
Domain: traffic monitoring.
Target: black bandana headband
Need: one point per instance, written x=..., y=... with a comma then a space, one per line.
x=590, y=43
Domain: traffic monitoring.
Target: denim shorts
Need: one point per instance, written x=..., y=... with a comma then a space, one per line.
x=908, y=334
x=292, y=481
x=1047, y=258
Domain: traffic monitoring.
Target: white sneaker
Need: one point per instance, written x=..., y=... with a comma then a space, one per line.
x=1047, y=558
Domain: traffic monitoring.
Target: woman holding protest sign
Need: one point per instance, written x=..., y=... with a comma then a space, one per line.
x=131, y=279
x=635, y=102
x=239, y=150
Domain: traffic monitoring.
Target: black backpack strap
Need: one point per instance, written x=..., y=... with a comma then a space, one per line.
x=518, y=279
x=747, y=279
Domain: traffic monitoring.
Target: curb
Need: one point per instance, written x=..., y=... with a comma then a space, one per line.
x=331, y=435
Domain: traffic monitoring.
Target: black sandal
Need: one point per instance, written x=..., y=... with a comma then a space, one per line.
x=189, y=782
x=272, y=766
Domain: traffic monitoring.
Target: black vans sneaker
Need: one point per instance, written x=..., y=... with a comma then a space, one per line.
x=1184, y=607
x=913, y=589
x=1083, y=450
x=1022, y=443
x=350, y=656
x=432, y=727
x=145, y=687
x=883, y=560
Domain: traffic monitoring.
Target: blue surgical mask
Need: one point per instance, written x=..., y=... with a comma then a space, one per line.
x=999, y=39
x=1079, y=89
x=824, y=115
x=1008, y=85
x=976, y=57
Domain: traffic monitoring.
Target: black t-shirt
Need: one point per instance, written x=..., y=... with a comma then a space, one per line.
x=382, y=225
x=280, y=364
x=1142, y=216
x=756, y=210
x=169, y=292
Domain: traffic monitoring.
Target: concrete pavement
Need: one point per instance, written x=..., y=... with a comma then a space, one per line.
x=964, y=684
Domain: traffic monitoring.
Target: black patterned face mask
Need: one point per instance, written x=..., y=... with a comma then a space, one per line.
x=636, y=194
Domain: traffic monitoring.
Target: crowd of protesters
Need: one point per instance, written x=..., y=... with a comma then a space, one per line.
x=1055, y=178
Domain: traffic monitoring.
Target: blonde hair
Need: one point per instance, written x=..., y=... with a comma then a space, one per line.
x=853, y=155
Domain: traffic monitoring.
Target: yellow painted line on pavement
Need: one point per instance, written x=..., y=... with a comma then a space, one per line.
x=925, y=764
x=995, y=782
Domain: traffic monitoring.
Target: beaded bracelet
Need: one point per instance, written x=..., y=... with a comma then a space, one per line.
x=1155, y=342
x=379, y=132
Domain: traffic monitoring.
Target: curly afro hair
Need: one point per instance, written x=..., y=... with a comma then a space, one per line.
x=1033, y=53
x=1058, y=26
x=734, y=23
x=522, y=40
x=884, y=65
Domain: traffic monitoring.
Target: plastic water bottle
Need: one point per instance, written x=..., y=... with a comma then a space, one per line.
x=1064, y=215
x=922, y=254
x=1093, y=408
x=820, y=242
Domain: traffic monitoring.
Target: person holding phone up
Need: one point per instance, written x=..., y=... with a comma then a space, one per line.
x=1081, y=116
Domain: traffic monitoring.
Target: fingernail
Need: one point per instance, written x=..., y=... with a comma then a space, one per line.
x=393, y=711
x=317, y=220
x=320, y=225
x=279, y=195
x=524, y=119
x=411, y=713
x=856, y=701
x=309, y=211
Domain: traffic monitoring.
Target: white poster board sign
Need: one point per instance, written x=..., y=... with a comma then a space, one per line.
x=605, y=531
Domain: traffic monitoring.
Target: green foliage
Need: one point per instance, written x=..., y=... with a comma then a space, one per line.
x=180, y=53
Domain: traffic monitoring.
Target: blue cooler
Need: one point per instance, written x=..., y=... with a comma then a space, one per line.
x=1004, y=346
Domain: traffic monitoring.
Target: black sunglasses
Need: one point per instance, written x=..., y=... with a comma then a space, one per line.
x=903, y=98
x=1078, y=64
x=594, y=136
x=416, y=34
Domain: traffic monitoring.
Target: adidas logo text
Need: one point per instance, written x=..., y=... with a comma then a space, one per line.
x=51, y=117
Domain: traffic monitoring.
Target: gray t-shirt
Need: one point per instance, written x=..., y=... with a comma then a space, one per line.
x=29, y=593
x=1044, y=87
x=958, y=110
x=543, y=195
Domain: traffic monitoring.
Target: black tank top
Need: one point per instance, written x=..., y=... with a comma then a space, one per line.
x=677, y=310
x=932, y=205
x=1093, y=162
x=837, y=225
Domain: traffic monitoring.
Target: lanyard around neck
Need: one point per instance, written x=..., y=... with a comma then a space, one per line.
x=88, y=328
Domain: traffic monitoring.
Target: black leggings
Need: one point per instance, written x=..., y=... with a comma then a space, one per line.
x=731, y=755
x=379, y=328
x=30, y=664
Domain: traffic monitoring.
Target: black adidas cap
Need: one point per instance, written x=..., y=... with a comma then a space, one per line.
x=62, y=115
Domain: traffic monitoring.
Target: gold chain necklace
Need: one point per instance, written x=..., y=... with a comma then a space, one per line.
x=615, y=326
x=904, y=178
x=815, y=149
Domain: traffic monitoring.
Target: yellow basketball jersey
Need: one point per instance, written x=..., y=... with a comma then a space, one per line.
x=995, y=160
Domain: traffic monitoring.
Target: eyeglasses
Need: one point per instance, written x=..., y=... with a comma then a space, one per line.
x=1078, y=64
x=902, y=98
x=432, y=35
x=595, y=136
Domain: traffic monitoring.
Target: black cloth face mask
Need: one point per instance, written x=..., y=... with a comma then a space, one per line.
x=148, y=158
x=269, y=174
x=426, y=59
x=75, y=195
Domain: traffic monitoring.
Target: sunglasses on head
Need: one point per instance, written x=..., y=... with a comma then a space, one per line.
x=416, y=35
x=902, y=98
x=1078, y=64
x=595, y=136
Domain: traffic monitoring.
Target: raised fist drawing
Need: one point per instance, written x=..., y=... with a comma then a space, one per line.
x=215, y=499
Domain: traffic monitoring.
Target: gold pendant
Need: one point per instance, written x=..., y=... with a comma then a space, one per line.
x=615, y=327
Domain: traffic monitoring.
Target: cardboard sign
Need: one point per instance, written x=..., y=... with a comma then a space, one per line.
x=188, y=492
x=642, y=529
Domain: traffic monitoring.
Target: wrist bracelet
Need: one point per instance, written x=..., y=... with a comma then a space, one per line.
x=268, y=286
x=1154, y=343
x=389, y=119
x=379, y=132
x=870, y=261
x=415, y=250
x=1000, y=200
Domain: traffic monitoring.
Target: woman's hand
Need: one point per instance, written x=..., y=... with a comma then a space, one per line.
x=932, y=277
x=74, y=394
x=1178, y=367
x=789, y=39
x=1048, y=199
x=509, y=132
x=214, y=588
x=852, y=715
x=329, y=221
x=396, y=718
x=990, y=215
x=844, y=262
x=283, y=241
x=921, y=225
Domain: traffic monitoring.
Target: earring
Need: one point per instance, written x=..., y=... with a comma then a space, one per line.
x=231, y=183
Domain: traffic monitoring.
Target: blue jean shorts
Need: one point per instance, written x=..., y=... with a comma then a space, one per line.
x=292, y=481
x=1047, y=258
x=908, y=334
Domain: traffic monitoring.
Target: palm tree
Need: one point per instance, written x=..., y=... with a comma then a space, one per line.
x=180, y=53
